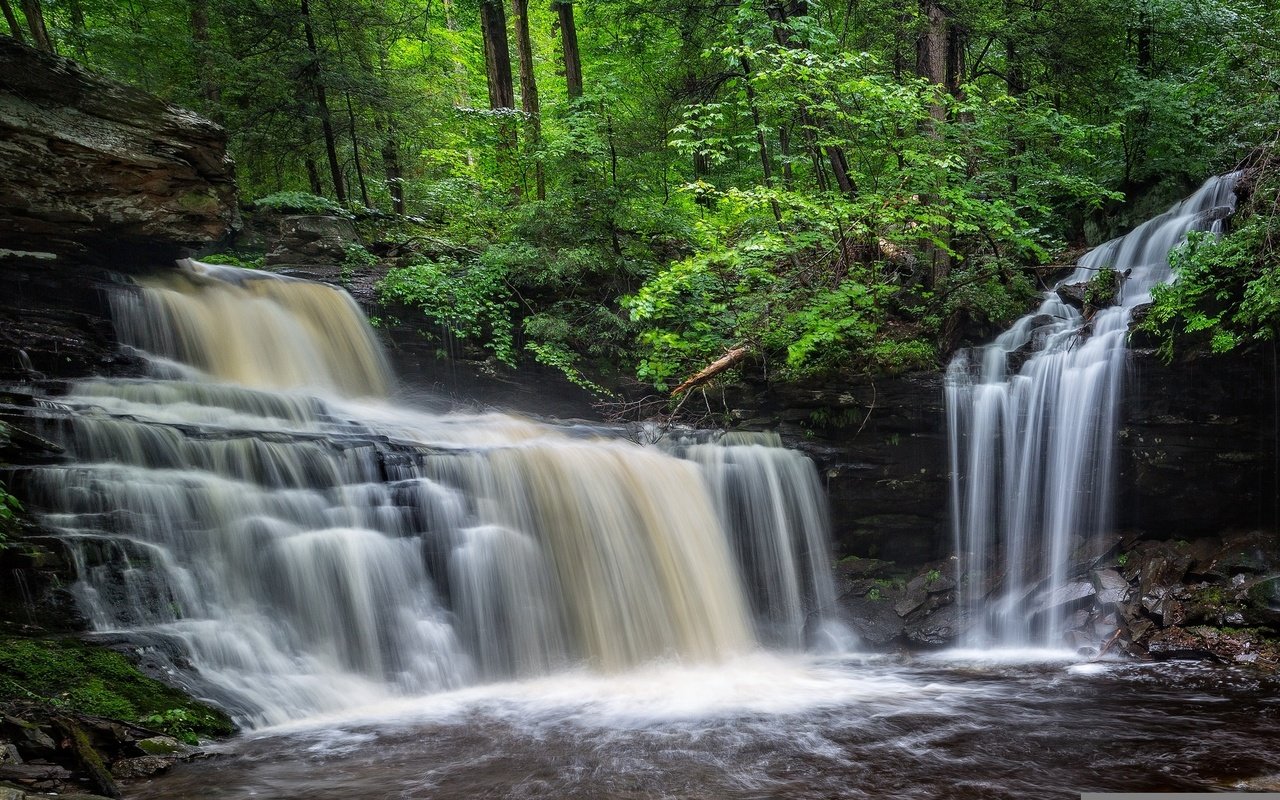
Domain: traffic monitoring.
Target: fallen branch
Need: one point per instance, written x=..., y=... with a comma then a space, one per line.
x=713, y=369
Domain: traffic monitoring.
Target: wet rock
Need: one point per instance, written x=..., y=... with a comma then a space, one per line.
x=1068, y=594
x=1073, y=294
x=874, y=620
x=308, y=242
x=7, y=793
x=141, y=766
x=163, y=746
x=9, y=754
x=1264, y=602
x=1112, y=588
x=88, y=159
x=915, y=596
x=940, y=628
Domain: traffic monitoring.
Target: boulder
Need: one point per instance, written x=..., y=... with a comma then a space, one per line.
x=87, y=161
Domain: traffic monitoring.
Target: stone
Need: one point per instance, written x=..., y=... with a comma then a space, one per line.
x=940, y=629
x=11, y=794
x=141, y=766
x=310, y=240
x=1073, y=294
x=1112, y=588
x=162, y=746
x=86, y=159
x=9, y=754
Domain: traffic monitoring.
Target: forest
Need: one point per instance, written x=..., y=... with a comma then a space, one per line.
x=635, y=193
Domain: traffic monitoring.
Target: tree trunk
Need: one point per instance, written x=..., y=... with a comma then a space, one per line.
x=355, y=152
x=35, y=23
x=569, y=48
x=835, y=157
x=15, y=30
x=762, y=142
x=931, y=64
x=316, y=75
x=209, y=88
x=391, y=167
x=529, y=92
x=931, y=51
x=497, y=55
x=313, y=176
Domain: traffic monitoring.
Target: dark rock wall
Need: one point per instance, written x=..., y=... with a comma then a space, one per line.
x=85, y=160
x=1196, y=452
x=96, y=179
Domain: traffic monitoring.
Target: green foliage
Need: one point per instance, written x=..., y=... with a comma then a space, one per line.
x=93, y=680
x=1103, y=288
x=1227, y=291
x=242, y=260
x=300, y=203
x=469, y=301
x=355, y=256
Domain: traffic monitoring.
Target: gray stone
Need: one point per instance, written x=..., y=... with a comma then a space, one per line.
x=141, y=766
x=85, y=158
x=1112, y=588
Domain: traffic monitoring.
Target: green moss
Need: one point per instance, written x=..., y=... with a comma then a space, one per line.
x=73, y=674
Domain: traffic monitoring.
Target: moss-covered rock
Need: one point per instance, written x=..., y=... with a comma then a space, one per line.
x=76, y=675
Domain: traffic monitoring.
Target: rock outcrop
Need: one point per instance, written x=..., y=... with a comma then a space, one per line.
x=96, y=178
x=88, y=162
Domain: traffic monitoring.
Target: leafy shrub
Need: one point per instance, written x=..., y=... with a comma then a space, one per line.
x=300, y=203
x=1227, y=291
x=472, y=300
x=242, y=260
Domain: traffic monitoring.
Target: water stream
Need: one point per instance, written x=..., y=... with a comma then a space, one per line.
x=1032, y=446
x=400, y=603
x=295, y=544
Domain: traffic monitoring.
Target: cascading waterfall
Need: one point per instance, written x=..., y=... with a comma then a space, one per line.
x=306, y=552
x=1031, y=449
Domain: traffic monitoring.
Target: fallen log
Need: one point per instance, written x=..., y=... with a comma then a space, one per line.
x=713, y=369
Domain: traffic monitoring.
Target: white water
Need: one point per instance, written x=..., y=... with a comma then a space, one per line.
x=1032, y=450
x=308, y=553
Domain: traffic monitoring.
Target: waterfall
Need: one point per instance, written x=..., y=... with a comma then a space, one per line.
x=294, y=545
x=1032, y=448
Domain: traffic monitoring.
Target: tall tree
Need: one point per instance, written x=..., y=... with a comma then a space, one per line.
x=572, y=57
x=15, y=30
x=315, y=75
x=35, y=23
x=529, y=92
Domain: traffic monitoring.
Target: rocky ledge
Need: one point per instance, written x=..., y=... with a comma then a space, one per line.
x=1216, y=598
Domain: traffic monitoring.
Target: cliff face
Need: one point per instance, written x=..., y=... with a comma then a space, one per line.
x=95, y=177
x=85, y=159
x=1196, y=453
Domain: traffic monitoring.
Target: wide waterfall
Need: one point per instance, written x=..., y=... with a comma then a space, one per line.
x=294, y=544
x=1031, y=449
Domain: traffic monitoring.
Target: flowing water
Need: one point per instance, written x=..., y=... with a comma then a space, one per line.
x=768, y=727
x=402, y=604
x=1032, y=448
x=256, y=511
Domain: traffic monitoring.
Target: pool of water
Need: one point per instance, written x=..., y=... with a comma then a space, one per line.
x=1024, y=725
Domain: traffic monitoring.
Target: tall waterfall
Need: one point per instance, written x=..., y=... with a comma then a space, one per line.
x=304, y=551
x=1032, y=449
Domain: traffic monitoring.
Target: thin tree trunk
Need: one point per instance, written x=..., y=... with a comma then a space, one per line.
x=529, y=92
x=355, y=151
x=326, y=121
x=313, y=176
x=209, y=88
x=15, y=30
x=78, y=38
x=762, y=143
x=391, y=167
x=569, y=48
x=835, y=157
x=35, y=23
x=931, y=52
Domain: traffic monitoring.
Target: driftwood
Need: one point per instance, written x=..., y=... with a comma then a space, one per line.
x=713, y=369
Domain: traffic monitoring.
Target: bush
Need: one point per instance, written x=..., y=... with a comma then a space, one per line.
x=301, y=203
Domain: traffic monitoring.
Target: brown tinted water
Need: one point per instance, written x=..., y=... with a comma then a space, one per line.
x=771, y=728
